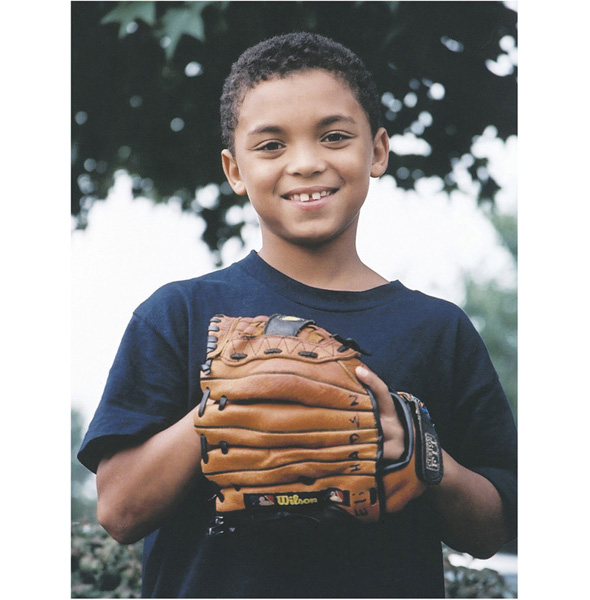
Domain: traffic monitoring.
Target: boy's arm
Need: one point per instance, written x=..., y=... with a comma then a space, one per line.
x=469, y=509
x=467, y=504
x=139, y=486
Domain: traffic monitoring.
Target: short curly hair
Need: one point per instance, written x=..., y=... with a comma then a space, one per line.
x=282, y=55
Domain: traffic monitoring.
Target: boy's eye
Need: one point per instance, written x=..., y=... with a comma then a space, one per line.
x=270, y=146
x=336, y=136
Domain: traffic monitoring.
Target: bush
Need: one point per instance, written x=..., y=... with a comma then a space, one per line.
x=462, y=582
x=101, y=567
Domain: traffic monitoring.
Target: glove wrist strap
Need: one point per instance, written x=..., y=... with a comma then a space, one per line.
x=422, y=440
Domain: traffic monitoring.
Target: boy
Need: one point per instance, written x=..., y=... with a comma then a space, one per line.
x=300, y=126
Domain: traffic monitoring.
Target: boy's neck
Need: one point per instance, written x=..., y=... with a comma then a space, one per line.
x=328, y=267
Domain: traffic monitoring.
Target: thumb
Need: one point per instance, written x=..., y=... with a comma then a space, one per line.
x=380, y=391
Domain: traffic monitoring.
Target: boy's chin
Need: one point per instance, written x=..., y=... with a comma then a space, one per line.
x=316, y=241
x=310, y=236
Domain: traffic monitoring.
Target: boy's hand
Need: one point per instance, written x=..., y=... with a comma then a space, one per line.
x=393, y=431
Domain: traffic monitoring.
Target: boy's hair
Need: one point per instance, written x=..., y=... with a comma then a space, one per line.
x=282, y=55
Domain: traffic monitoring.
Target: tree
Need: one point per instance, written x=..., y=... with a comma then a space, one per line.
x=493, y=309
x=147, y=78
x=83, y=507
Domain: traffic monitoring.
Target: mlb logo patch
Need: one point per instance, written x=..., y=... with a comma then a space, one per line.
x=258, y=500
x=338, y=496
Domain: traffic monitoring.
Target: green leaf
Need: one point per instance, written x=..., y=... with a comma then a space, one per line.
x=126, y=13
x=177, y=22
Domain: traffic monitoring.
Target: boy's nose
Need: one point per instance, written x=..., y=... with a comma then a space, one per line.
x=305, y=161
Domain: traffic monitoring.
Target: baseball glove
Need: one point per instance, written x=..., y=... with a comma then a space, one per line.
x=286, y=427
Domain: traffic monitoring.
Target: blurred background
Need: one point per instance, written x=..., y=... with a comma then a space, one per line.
x=149, y=203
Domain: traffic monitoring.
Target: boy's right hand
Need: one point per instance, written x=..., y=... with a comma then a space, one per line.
x=394, y=437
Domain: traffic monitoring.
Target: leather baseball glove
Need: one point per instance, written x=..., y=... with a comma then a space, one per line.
x=287, y=428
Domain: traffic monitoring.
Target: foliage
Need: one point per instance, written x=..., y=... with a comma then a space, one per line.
x=506, y=226
x=83, y=507
x=463, y=582
x=493, y=309
x=147, y=78
x=102, y=568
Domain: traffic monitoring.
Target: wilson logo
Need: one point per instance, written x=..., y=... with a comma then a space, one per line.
x=294, y=500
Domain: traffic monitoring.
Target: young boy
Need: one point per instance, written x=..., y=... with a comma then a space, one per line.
x=300, y=126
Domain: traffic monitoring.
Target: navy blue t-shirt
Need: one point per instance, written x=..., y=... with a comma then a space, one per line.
x=417, y=343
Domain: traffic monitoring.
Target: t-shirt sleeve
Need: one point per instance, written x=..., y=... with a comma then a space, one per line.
x=485, y=438
x=146, y=390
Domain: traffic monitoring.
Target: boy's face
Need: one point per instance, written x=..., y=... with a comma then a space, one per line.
x=304, y=154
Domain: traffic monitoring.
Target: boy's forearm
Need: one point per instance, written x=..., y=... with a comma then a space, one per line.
x=470, y=510
x=139, y=486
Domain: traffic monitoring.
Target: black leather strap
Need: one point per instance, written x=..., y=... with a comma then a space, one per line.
x=286, y=325
x=428, y=451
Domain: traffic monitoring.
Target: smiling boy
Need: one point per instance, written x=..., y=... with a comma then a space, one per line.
x=304, y=153
x=300, y=126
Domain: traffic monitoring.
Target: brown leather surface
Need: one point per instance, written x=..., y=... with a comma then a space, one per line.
x=287, y=422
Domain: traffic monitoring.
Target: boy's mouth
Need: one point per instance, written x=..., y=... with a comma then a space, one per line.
x=308, y=196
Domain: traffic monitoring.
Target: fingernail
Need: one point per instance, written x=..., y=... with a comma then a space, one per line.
x=362, y=372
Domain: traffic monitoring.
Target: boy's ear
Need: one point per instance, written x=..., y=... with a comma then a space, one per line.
x=232, y=172
x=380, y=153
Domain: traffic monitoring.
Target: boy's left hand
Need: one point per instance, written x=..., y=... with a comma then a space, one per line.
x=393, y=431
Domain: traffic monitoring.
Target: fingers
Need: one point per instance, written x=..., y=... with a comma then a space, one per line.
x=393, y=431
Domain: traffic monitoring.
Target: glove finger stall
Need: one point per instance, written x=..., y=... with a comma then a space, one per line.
x=297, y=473
x=282, y=417
x=237, y=459
x=290, y=382
x=303, y=439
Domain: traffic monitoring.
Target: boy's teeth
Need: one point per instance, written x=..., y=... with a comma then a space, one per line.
x=307, y=197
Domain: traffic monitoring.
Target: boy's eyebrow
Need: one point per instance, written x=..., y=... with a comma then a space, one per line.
x=337, y=118
x=329, y=120
x=266, y=129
